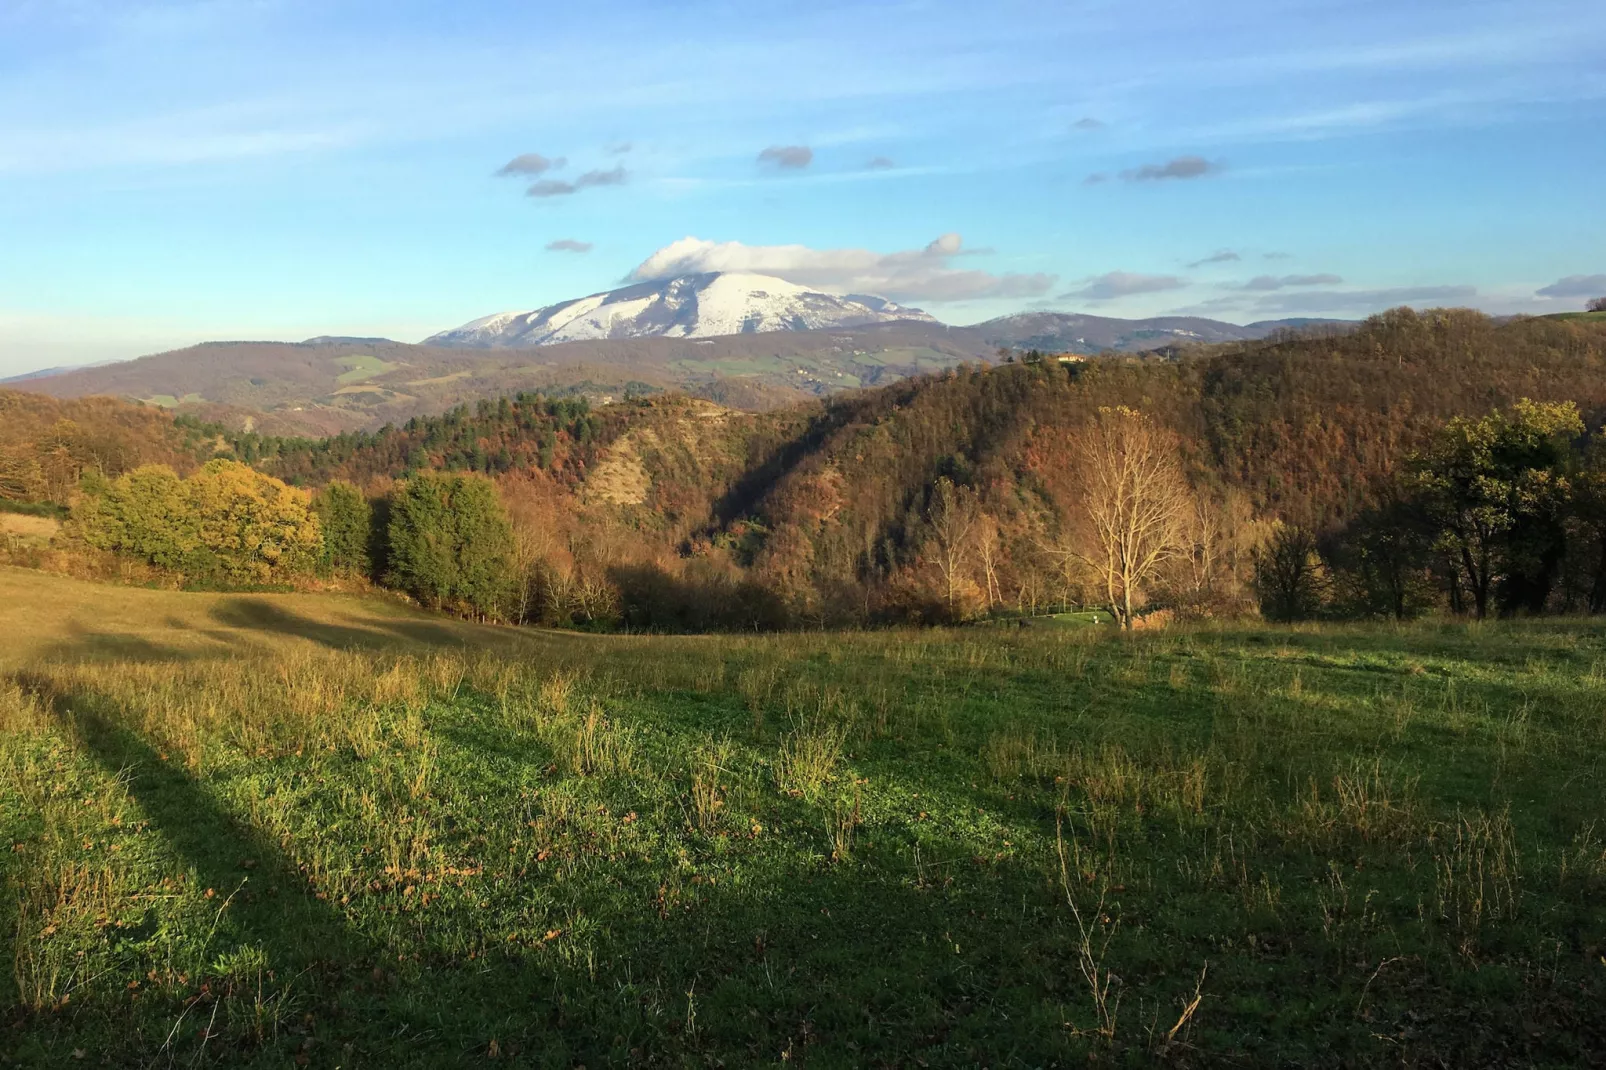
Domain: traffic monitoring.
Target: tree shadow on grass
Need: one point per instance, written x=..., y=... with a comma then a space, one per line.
x=83, y=644
x=809, y=955
x=269, y=905
x=260, y=615
x=263, y=901
x=374, y=633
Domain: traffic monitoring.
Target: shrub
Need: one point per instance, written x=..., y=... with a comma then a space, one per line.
x=451, y=545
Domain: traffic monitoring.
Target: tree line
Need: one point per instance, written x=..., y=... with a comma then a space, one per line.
x=443, y=538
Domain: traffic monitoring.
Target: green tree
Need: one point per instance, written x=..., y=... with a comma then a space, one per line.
x=144, y=513
x=1289, y=576
x=1587, y=521
x=1495, y=492
x=347, y=521
x=1384, y=556
x=451, y=545
x=226, y=522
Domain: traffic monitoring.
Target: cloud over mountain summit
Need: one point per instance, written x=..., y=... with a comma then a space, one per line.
x=925, y=274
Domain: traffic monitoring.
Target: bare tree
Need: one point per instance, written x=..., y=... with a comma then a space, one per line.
x=1202, y=532
x=1134, y=499
x=952, y=516
x=1597, y=304
x=989, y=552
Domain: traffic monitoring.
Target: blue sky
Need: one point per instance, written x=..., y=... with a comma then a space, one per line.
x=178, y=171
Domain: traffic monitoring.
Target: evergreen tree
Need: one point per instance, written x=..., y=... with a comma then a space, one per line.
x=347, y=521
x=451, y=544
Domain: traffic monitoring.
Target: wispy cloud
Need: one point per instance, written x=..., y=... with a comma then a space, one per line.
x=1575, y=286
x=568, y=245
x=925, y=274
x=880, y=163
x=1180, y=167
x=1225, y=256
x=1114, y=285
x=530, y=163
x=1278, y=282
x=787, y=157
x=1316, y=302
x=1088, y=123
x=555, y=188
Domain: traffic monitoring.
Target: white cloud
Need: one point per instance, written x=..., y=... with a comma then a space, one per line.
x=916, y=275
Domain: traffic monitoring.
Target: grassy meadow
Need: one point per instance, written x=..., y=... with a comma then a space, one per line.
x=272, y=830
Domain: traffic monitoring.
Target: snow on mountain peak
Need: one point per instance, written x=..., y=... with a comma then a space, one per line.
x=687, y=306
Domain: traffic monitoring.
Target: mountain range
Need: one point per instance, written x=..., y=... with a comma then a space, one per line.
x=747, y=341
x=706, y=305
x=717, y=304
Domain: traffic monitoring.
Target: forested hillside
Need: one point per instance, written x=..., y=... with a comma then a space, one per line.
x=47, y=444
x=968, y=492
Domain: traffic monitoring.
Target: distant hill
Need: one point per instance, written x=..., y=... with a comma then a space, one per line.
x=331, y=384
x=1062, y=332
x=324, y=387
x=46, y=373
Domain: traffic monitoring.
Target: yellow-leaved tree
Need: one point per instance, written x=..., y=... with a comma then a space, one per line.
x=227, y=522
x=255, y=528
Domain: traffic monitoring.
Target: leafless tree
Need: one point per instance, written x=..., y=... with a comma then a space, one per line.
x=952, y=516
x=1202, y=532
x=1597, y=304
x=989, y=553
x=1134, y=500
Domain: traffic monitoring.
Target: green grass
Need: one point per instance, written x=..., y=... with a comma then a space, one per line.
x=362, y=366
x=1592, y=317
x=47, y=509
x=269, y=829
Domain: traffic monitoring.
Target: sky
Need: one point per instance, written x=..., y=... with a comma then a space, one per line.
x=172, y=172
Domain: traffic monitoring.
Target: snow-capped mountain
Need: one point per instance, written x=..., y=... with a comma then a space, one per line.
x=691, y=306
